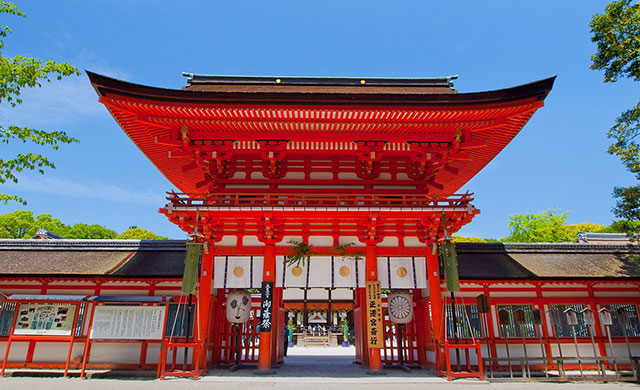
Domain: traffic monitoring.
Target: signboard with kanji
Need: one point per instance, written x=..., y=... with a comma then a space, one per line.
x=128, y=322
x=266, y=307
x=374, y=315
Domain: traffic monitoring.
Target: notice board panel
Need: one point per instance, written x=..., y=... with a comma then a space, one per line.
x=128, y=322
x=45, y=319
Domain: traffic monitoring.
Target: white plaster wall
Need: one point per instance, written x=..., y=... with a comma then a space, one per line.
x=317, y=294
x=342, y=294
x=320, y=240
x=293, y=294
x=412, y=242
x=55, y=352
x=18, y=351
x=251, y=241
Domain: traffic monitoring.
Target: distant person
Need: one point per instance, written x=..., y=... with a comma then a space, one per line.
x=286, y=340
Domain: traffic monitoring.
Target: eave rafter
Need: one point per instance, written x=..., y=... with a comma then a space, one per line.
x=433, y=142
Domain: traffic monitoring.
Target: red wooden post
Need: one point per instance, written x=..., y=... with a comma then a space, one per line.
x=268, y=275
x=87, y=341
x=421, y=325
x=435, y=296
x=371, y=270
x=204, y=301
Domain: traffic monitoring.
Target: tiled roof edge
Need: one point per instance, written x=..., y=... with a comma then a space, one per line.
x=568, y=247
x=91, y=245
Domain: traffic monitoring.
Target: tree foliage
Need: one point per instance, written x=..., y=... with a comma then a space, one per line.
x=16, y=73
x=138, y=233
x=457, y=238
x=22, y=224
x=547, y=226
x=616, y=34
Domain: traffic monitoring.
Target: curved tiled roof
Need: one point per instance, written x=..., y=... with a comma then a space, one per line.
x=165, y=259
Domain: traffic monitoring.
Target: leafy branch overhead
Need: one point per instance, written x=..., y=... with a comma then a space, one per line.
x=16, y=73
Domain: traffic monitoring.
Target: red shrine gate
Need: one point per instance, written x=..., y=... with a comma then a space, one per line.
x=263, y=162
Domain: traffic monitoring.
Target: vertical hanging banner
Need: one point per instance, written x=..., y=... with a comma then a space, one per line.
x=191, y=262
x=374, y=314
x=266, y=307
x=450, y=258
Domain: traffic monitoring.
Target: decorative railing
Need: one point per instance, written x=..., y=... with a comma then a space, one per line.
x=194, y=200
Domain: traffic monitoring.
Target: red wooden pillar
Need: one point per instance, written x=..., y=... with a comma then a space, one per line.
x=420, y=318
x=268, y=275
x=360, y=323
x=545, y=328
x=204, y=302
x=435, y=297
x=371, y=270
x=596, y=326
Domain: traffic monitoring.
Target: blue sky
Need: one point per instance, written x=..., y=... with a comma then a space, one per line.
x=557, y=161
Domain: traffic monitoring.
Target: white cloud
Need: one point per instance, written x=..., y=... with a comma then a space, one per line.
x=87, y=189
x=61, y=102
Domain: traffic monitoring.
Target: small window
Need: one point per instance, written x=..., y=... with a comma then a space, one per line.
x=632, y=325
x=563, y=329
x=466, y=315
x=177, y=320
x=513, y=329
x=7, y=310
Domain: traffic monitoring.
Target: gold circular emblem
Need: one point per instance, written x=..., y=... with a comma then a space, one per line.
x=296, y=271
x=344, y=271
x=238, y=271
x=402, y=272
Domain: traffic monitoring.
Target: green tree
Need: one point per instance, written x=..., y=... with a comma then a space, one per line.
x=547, y=226
x=17, y=224
x=458, y=238
x=22, y=224
x=16, y=73
x=622, y=226
x=93, y=232
x=616, y=33
x=137, y=233
x=571, y=231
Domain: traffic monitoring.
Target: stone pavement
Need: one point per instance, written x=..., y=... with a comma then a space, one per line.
x=304, y=368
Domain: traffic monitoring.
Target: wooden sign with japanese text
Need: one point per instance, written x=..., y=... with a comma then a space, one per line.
x=128, y=322
x=266, y=307
x=374, y=315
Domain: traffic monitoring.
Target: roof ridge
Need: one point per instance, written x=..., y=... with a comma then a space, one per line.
x=79, y=244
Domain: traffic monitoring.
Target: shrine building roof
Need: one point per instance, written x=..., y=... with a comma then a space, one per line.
x=165, y=259
x=221, y=132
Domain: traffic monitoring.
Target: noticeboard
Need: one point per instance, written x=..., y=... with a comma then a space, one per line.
x=128, y=322
x=45, y=319
x=375, y=335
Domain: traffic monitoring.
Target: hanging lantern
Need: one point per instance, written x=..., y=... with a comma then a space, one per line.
x=191, y=262
x=239, y=306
